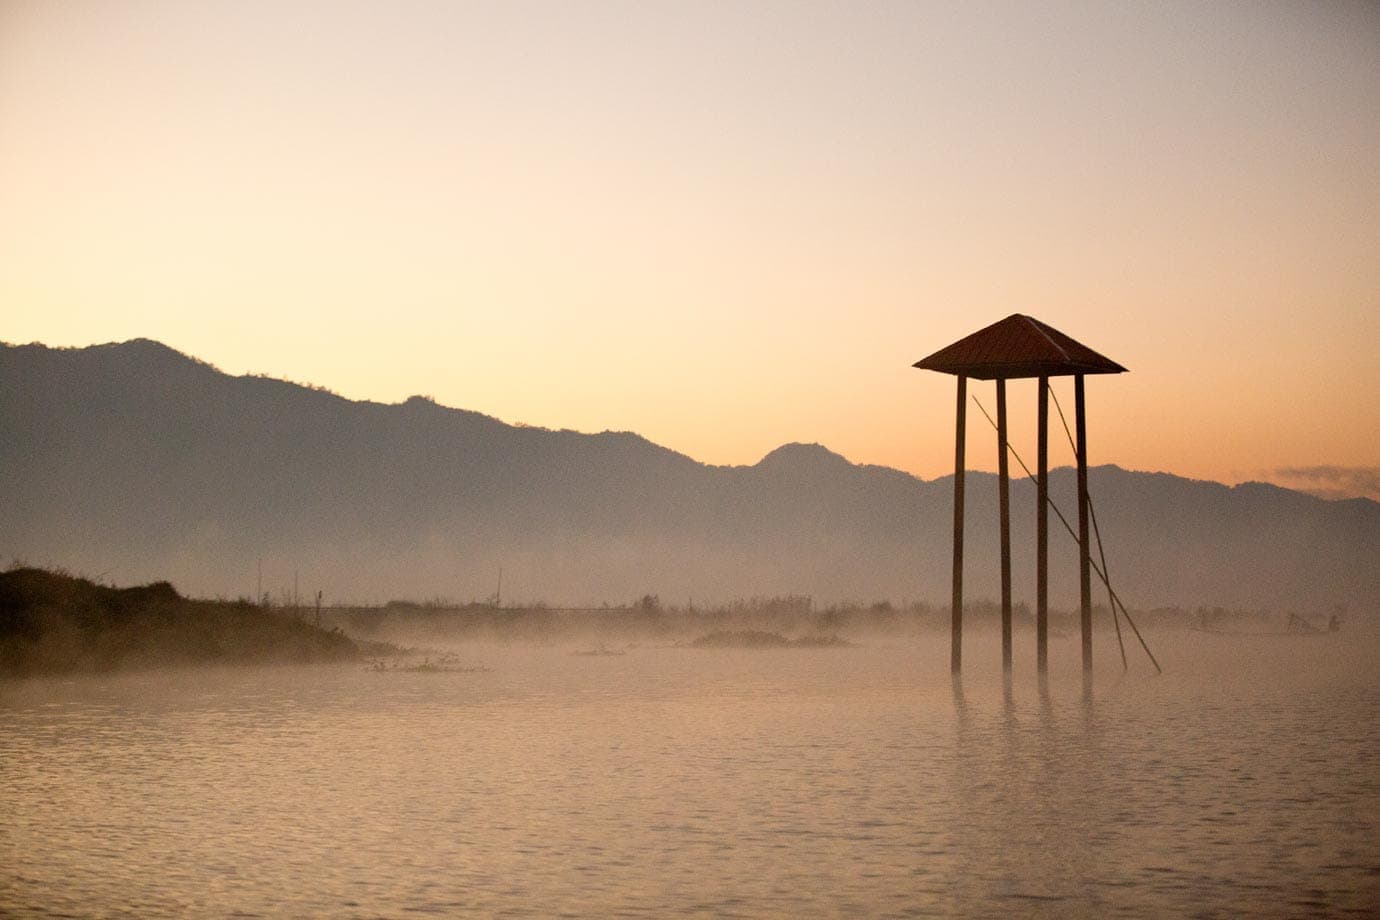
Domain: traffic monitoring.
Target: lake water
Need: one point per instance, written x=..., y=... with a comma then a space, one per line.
x=669, y=781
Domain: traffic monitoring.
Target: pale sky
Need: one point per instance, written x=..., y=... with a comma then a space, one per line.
x=724, y=226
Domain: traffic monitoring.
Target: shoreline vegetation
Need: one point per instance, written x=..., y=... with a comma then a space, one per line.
x=53, y=623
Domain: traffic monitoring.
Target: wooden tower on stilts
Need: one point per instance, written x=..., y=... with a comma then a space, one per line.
x=1022, y=346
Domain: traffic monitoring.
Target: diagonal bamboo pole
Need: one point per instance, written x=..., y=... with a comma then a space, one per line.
x=1116, y=599
x=1101, y=551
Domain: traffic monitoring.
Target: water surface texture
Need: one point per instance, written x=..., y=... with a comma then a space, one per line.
x=672, y=781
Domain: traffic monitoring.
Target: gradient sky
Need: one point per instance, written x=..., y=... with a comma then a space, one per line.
x=723, y=225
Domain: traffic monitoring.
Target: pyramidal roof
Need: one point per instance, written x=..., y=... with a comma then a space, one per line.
x=1018, y=346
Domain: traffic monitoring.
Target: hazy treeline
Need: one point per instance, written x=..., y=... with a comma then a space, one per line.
x=647, y=619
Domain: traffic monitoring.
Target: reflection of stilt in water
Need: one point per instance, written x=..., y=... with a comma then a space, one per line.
x=1010, y=721
x=957, y=682
x=960, y=705
x=1046, y=703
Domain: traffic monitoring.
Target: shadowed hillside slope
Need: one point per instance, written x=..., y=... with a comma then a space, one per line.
x=138, y=462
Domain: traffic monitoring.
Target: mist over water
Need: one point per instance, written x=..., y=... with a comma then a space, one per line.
x=717, y=782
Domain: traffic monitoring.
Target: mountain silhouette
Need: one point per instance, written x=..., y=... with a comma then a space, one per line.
x=137, y=463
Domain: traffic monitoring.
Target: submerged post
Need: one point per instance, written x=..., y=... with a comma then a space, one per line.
x=1042, y=531
x=1084, y=546
x=1004, y=512
x=956, y=617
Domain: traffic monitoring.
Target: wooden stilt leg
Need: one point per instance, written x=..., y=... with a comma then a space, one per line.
x=1004, y=503
x=956, y=654
x=1084, y=545
x=1042, y=532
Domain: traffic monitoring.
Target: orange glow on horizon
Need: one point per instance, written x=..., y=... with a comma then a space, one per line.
x=722, y=228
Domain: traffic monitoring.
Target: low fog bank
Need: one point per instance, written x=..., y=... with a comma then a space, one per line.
x=51, y=622
x=792, y=618
x=553, y=567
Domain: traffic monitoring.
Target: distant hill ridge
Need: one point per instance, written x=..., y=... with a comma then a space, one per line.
x=142, y=463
